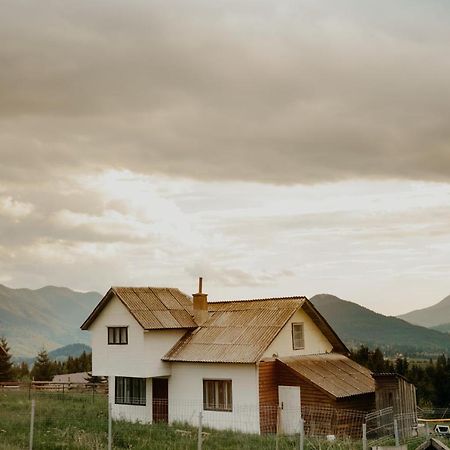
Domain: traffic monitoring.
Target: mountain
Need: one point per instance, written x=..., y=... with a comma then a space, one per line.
x=443, y=327
x=49, y=317
x=74, y=350
x=59, y=354
x=358, y=325
x=433, y=316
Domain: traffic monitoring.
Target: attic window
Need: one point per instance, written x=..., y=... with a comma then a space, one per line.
x=117, y=335
x=298, y=336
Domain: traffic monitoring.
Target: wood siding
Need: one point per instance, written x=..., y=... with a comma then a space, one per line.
x=393, y=390
x=323, y=414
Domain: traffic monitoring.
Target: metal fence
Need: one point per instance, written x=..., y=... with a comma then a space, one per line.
x=76, y=419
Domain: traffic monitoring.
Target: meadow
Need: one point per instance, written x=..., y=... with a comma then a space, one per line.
x=75, y=421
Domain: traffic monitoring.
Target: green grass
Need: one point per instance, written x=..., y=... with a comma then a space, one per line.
x=79, y=422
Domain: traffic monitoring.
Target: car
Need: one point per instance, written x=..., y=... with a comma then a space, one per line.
x=442, y=430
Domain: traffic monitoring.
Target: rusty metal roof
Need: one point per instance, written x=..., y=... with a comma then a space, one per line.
x=155, y=308
x=237, y=331
x=333, y=373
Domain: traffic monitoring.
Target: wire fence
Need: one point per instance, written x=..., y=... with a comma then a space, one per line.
x=78, y=419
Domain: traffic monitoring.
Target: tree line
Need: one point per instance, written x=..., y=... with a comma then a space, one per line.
x=43, y=369
x=431, y=377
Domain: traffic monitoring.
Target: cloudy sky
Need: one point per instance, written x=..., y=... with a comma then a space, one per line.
x=274, y=147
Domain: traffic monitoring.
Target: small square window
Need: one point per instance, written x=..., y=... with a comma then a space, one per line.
x=117, y=335
x=217, y=395
x=298, y=336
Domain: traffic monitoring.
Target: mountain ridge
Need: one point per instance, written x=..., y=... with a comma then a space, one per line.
x=358, y=325
x=431, y=316
x=47, y=317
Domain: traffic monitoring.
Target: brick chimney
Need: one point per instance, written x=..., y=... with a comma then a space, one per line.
x=200, y=304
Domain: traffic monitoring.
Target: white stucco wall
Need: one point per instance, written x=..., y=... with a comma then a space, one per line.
x=141, y=357
x=131, y=413
x=186, y=395
x=315, y=341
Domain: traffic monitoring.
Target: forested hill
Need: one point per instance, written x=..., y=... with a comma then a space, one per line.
x=358, y=325
x=48, y=317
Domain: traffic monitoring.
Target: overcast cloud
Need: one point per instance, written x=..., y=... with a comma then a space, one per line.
x=276, y=147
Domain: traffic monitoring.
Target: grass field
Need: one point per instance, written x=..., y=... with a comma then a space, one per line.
x=79, y=421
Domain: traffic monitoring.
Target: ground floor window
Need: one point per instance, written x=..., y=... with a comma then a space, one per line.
x=217, y=395
x=130, y=391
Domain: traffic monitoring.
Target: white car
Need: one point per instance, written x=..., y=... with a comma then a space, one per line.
x=442, y=430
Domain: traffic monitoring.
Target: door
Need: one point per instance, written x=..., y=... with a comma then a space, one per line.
x=160, y=400
x=289, y=409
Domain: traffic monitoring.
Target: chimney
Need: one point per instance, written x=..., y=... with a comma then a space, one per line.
x=200, y=304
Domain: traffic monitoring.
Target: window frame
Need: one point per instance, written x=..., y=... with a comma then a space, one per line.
x=113, y=340
x=137, y=391
x=227, y=393
x=294, y=346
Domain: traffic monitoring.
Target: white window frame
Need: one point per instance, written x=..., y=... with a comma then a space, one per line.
x=295, y=344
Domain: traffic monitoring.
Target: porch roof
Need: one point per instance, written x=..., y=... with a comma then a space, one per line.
x=335, y=374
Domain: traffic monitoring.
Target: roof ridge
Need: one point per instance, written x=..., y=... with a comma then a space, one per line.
x=296, y=297
x=146, y=287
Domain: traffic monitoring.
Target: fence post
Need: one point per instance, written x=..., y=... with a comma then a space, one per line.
x=364, y=436
x=277, y=436
x=200, y=425
x=32, y=424
x=109, y=426
x=397, y=437
x=302, y=433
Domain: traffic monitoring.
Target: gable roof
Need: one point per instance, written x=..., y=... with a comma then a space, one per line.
x=333, y=373
x=240, y=331
x=153, y=308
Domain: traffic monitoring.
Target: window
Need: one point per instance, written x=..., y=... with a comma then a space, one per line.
x=298, y=336
x=130, y=391
x=117, y=335
x=217, y=395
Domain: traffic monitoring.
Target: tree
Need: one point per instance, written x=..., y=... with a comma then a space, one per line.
x=43, y=368
x=21, y=371
x=6, y=366
x=95, y=379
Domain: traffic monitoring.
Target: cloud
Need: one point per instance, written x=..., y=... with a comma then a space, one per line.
x=281, y=92
x=14, y=209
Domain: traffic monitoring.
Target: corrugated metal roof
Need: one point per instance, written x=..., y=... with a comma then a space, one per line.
x=154, y=308
x=237, y=331
x=333, y=373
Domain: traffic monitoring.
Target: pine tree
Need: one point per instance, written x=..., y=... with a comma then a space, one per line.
x=6, y=366
x=43, y=367
x=21, y=371
x=94, y=379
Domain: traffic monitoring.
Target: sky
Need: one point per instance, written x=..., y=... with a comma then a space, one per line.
x=274, y=148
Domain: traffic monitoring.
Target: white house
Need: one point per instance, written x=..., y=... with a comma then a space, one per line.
x=169, y=356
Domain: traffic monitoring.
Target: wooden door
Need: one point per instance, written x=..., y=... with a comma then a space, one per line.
x=289, y=409
x=160, y=402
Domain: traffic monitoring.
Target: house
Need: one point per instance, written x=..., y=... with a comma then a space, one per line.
x=248, y=365
x=76, y=378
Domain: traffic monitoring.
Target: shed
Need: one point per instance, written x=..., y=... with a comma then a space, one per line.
x=394, y=390
x=335, y=392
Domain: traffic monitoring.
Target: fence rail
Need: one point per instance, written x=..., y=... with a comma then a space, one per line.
x=77, y=420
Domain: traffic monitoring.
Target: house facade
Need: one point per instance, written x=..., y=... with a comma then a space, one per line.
x=241, y=363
